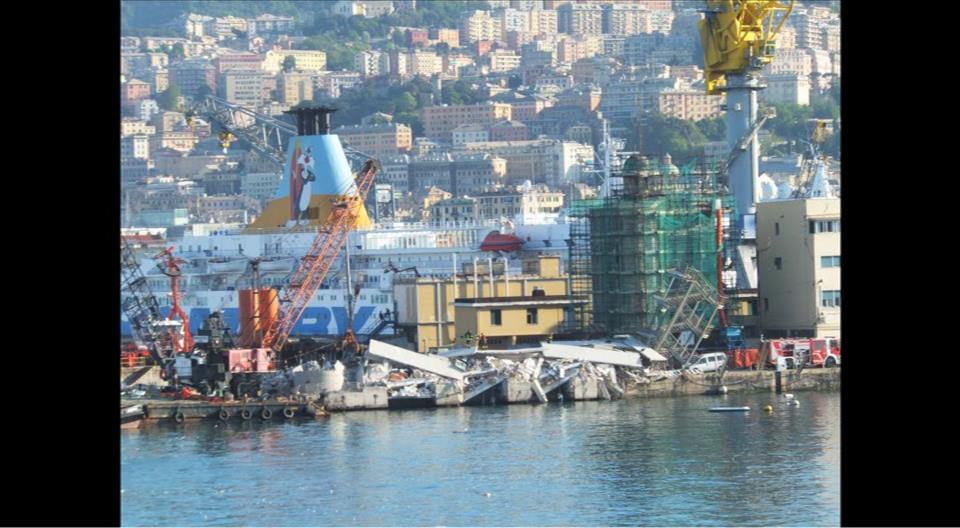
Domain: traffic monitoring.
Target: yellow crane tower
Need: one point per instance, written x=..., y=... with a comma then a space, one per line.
x=738, y=36
x=738, y=41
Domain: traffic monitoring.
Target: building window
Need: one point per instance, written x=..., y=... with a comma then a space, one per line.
x=496, y=318
x=776, y=228
x=830, y=299
x=778, y=262
x=825, y=226
x=531, y=316
x=766, y=304
x=830, y=262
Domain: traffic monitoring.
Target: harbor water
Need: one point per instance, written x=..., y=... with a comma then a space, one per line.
x=653, y=462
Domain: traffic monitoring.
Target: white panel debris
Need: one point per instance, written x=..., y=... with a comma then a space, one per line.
x=594, y=355
x=440, y=366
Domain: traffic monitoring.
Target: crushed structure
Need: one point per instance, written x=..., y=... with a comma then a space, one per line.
x=623, y=246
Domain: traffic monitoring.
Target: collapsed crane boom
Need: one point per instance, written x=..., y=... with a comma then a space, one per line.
x=139, y=305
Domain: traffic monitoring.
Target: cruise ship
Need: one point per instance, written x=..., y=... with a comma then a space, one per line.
x=219, y=263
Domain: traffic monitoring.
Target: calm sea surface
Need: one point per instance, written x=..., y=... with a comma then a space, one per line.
x=648, y=462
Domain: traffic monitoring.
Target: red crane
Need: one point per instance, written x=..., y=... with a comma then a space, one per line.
x=170, y=266
x=313, y=267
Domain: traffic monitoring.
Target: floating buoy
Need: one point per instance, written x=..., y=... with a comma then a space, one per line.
x=768, y=408
x=795, y=403
x=722, y=389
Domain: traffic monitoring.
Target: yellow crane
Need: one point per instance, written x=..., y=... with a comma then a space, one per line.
x=738, y=36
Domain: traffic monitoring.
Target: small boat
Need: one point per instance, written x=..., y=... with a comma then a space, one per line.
x=225, y=265
x=729, y=409
x=277, y=264
x=131, y=416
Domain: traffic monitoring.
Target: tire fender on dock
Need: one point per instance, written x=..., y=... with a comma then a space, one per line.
x=246, y=414
x=178, y=416
x=288, y=412
x=266, y=414
x=224, y=415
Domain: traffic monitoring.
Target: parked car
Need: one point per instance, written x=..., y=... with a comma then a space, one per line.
x=711, y=362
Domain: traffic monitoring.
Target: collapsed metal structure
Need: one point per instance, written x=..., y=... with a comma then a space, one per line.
x=631, y=251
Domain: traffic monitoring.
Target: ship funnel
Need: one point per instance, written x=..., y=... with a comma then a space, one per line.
x=315, y=177
x=312, y=121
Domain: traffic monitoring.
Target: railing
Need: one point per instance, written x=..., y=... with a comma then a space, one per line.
x=136, y=361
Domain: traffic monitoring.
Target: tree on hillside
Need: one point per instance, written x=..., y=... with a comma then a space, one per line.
x=289, y=63
x=177, y=52
x=169, y=99
x=406, y=103
x=659, y=134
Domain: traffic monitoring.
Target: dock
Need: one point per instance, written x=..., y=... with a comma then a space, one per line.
x=183, y=410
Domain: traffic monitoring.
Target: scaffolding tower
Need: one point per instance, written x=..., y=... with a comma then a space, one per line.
x=657, y=218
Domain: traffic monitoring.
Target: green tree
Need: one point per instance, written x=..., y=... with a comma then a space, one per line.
x=658, y=134
x=406, y=103
x=169, y=99
x=442, y=48
x=289, y=63
x=714, y=129
x=177, y=53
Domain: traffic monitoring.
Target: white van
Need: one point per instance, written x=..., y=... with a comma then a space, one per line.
x=711, y=362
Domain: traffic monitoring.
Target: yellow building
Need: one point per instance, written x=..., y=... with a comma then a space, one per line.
x=439, y=121
x=294, y=88
x=505, y=309
x=306, y=60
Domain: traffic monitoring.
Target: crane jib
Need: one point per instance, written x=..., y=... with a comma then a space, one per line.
x=324, y=249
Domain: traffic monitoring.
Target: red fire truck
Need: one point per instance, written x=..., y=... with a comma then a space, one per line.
x=809, y=352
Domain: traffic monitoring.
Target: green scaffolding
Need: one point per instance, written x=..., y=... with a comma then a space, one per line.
x=621, y=247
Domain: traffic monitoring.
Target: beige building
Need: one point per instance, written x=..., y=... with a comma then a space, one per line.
x=294, y=88
x=179, y=141
x=244, y=88
x=130, y=126
x=548, y=161
x=791, y=60
x=799, y=267
x=787, y=88
x=450, y=36
x=580, y=19
x=306, y=60
x=468, y=133
x=689, y=104
x=543, y=22
x=439, y=121
x=503, y=60
x=504, y=308
x=627, y=19
x=510, y=204
x=424, y=63
x=377, y=140
x=454, y=211
x=479, y=25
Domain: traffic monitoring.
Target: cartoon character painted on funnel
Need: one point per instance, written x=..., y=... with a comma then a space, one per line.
x=300, y=189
